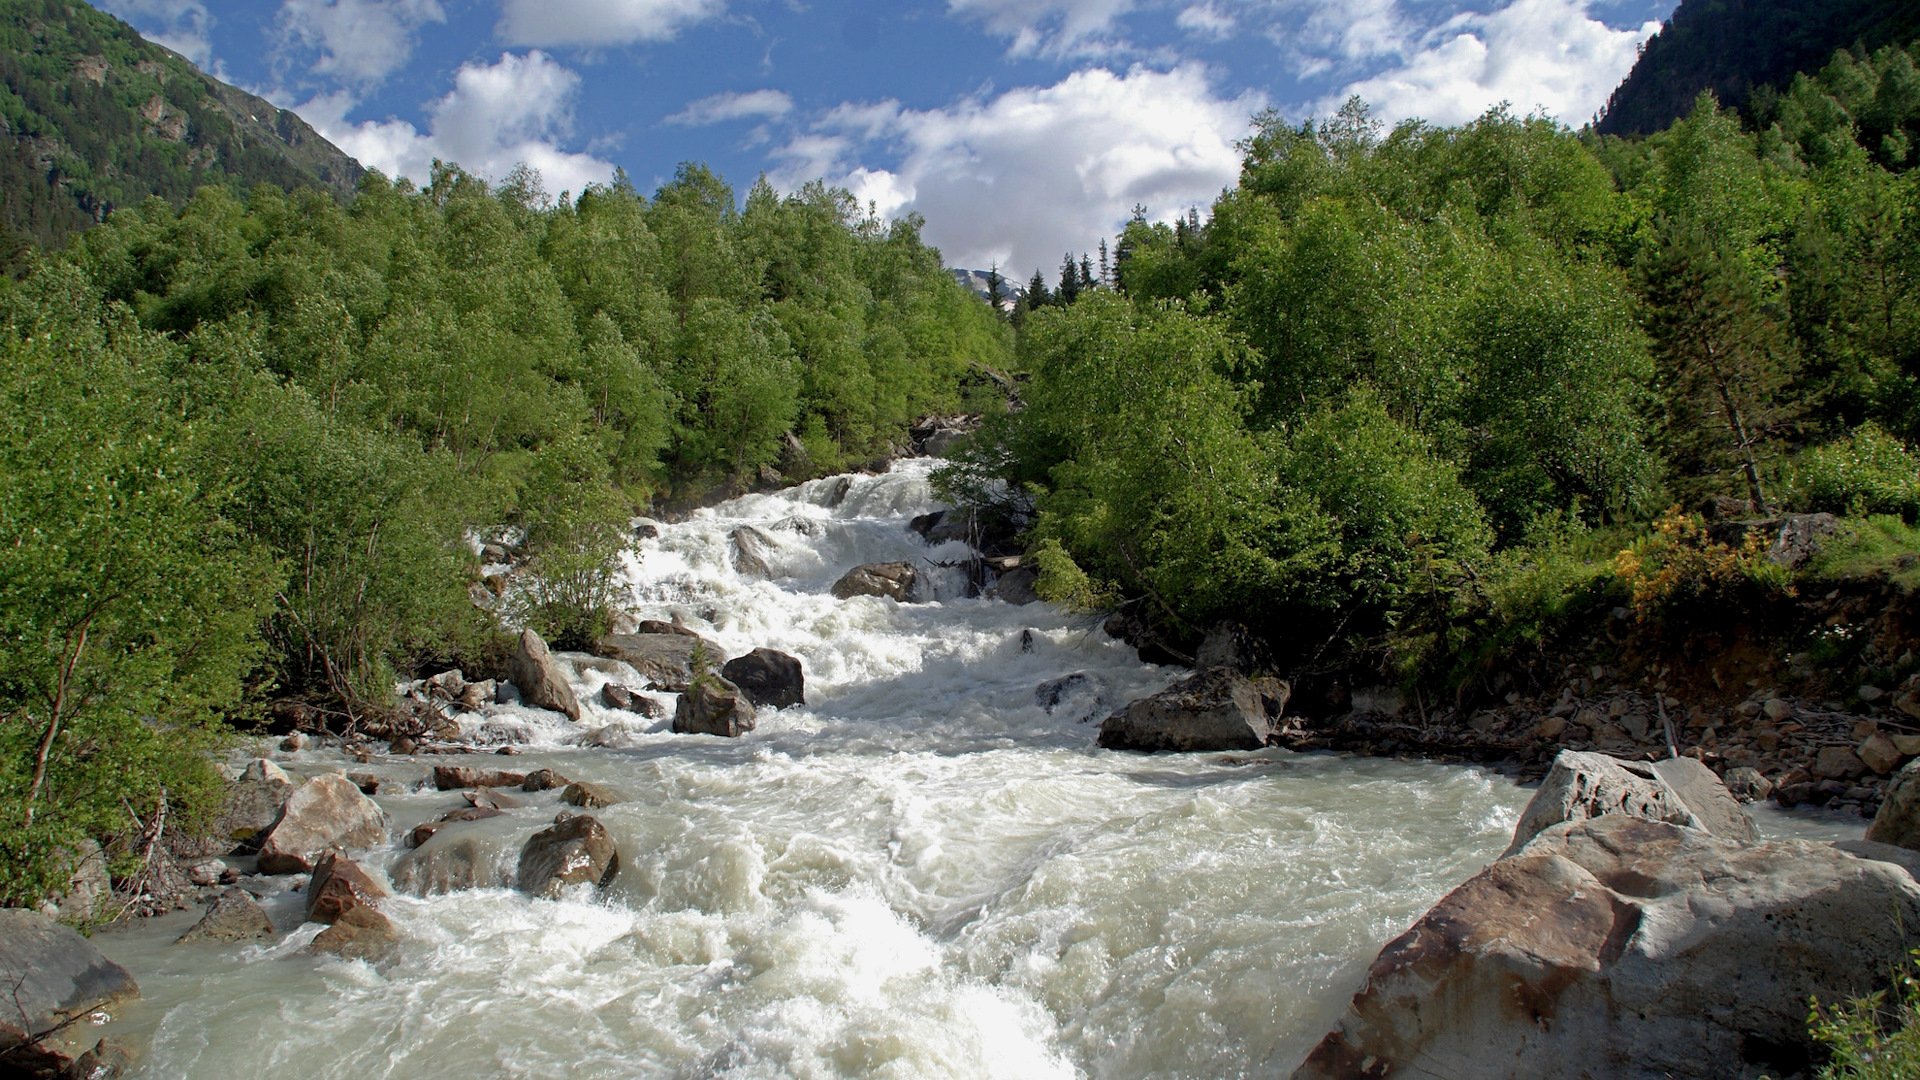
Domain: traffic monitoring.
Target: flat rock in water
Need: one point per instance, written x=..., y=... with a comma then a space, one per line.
x=664, y=660
x=575, y=849
x=543, y=780
x=768, y=677
x=1216, y=709
x=448, y=860
x=713, y=706
x=589, y=795
x=52, y=974
x=894, y=581
x=615, y=696
x=425, y=830
x=541, y=679
x=455, y=777
x=324, y=813
x=234, y=915
x=1622, y=947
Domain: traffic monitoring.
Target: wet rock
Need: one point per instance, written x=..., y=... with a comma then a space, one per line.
x=361, y=933
x=751, y=547
x=455, y=777
x=589, y=795
x=339, y=885
x=645, y=529
x=543, y=780
x=575, y=849
x=51, y=974
x=768, y=677
x=1215, y=709
x=1583, y=785
x=615, y=696
x=893, y=581
x=1077, y=694
x=1898, y=820
x=489, y=798
x=713, y=706
x=476, y=696
x=448, y=860
x=609, y=737
x=234, y=915
x=1623, y=947
x=324, y=813
x=541, y=679
x=1015, y=586
x=426, y=830
x=207, y=872
x=664, y=660
x=253, y=802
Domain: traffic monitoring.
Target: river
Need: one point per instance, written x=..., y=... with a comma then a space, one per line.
x=919, y=873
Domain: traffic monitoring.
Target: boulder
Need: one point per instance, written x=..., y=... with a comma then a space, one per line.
x=1015, y=587
x=455, y=777
x=768, y=677
x=615, y=696
x=750, y=550
x=489, y=798
x=1077, y=694
x=664, y=660
x=1879, y=753
x=1838, y=763
x=713, y=706
x=253, y=802
x=542, y=681
x=894, y=581
x=589, y=795
x=574, y=849
x=51, y=975
x=1800, y=538
x=1623, y=947
x=361, y=933
x=88, y=883
x=1215, y=709
x=1583, y=785
x=425, y=830
x=234, y=915
x=1898, y=820
x=338, y=885
x=1748, y=784
x=544, y=780
x=326, y=812
x=448, y=860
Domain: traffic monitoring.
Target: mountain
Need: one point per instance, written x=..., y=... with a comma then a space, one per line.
x=1733, y=47
x=92, y=117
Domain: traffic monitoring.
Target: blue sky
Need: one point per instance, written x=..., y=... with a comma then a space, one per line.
x=1020, y=129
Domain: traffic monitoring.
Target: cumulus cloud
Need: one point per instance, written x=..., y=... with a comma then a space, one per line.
x=721, y=108
x=1546, y=55
x=1021, y=178
x=360, y=41
x=497, y=115
x=1046, y=27
x=600, y=22
x=1205, y=20
x=185, y=26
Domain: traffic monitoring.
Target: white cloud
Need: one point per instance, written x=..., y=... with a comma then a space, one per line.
x=361, y=41
x=1549, y=55
x=1047, y=27
x=184, y=26
x=600, y=22
x=1021, y=178
x=720, y=108
x=495, y=117
x=1205, y=20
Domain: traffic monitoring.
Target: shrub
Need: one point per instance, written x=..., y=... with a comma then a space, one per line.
x=1678, y=563
x=1870, y=1038
x=1868, y=472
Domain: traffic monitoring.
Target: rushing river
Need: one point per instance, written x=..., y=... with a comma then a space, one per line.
x=919, y=873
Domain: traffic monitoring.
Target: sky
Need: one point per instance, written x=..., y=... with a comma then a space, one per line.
x=1021, y=130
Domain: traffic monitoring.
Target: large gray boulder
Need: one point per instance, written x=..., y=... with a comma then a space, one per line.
x=1681, y=791
x=51, y=975
x=664, y=660
x=713, y=706
x=325, y=813
x=541, y=679
x=768, y=677
x=1215, y=709
x=1622, y=947
x=575, y=849
x=750, y=550
x=448, y=860
x=253, y=802
x=894, y=581
x=1898, y=820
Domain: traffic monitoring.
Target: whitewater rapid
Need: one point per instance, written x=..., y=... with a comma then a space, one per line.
x=919, y=873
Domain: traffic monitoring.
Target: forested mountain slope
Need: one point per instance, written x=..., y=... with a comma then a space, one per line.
x=1734, y=47
x=93, y=117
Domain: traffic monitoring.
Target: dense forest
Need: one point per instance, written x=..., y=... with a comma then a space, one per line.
x=251, y=441
x=92, y=117
x=1737, y=48
x=1408, y=399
